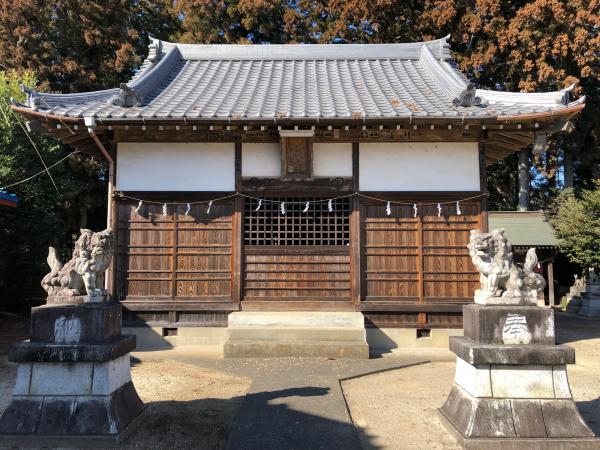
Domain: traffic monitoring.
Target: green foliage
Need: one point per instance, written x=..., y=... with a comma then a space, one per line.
x=74, y=46
x=576, y=220
x=44, y=216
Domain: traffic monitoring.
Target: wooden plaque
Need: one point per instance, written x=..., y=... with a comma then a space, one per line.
x=296, y=155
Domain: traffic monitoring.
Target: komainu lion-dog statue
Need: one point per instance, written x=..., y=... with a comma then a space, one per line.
x=84, y=273
x=502, y=281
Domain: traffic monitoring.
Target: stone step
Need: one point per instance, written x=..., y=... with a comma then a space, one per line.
x=255, y=334
x=296, y=319
x=291, y=334
x=295, y=348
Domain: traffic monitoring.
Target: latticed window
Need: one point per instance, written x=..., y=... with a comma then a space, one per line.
x=317, y=226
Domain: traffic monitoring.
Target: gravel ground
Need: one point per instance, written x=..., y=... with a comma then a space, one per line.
x=398, y=409
x=188, y=407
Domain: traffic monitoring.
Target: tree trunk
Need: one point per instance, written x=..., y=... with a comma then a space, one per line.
x=523, y=180
x=83, y=216
x=568, y=168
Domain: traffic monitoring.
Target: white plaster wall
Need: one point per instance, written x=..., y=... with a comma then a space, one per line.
x=154, y=166
x=261, y=160
x=419, y=166
x=332, y=160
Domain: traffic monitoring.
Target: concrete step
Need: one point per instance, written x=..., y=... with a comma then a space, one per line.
x=295, y=348
x=292, y=334
x=255, y=334
x=296, y=319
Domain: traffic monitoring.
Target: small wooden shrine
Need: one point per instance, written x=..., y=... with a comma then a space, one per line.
x=298, y=177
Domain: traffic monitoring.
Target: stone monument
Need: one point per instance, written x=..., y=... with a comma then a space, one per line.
x=590, y=299
x=511, y=388
x=574, y=295
x=73, y=385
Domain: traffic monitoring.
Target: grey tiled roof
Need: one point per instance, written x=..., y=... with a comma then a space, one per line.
x=289, y=82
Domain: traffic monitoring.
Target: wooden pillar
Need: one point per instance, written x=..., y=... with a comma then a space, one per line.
x=483, y=189
x=551, y=298
x=356, y=272
x=112, y=220
x=237, y=231
x=523, y=180
x=174, y=250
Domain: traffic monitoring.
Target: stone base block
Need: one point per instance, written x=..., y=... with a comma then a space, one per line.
x=83, y=419
x=574, y=305
x=512, y=381
x=75, y=323
x=485, y=324
x=474, y=353
x=507, y=406
x=593, y=290
x=82, y=352
x=73, y=379
x=297, y=348
x=590, y=306
x=513, y=418
x=478, y=443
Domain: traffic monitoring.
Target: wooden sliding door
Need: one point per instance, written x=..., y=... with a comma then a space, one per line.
x=175, y=256
x=418, y=259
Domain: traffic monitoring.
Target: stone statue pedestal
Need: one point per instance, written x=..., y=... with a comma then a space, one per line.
x=513, y=395
x=73, y=385
x=590, y=301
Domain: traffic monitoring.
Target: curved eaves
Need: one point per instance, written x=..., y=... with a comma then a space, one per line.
x=553, y=98
x=459, y=92
x=134, y=93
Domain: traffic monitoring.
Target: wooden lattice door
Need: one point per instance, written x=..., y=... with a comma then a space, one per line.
x=294, y=252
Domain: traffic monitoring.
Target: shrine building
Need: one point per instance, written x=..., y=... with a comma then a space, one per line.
x=297, y=178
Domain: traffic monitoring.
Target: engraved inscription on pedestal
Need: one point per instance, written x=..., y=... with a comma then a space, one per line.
x=515, y=330
x=67, y=331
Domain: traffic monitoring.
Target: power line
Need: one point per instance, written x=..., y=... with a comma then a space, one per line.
x=36, y=150
x=39, y=173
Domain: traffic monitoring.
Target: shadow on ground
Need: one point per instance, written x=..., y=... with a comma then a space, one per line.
x=590, y=412
x=573, y=327
x=208, y=423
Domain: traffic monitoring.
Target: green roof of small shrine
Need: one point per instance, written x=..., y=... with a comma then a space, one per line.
x=524, y=228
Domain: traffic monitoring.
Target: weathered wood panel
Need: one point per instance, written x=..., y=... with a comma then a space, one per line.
x=391, y=253
x=422, y=258
x=175, y=256
x=447, y=269
x=280, y=273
